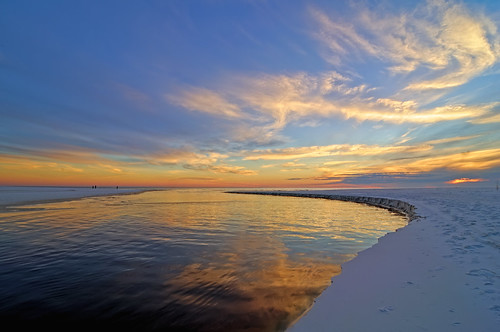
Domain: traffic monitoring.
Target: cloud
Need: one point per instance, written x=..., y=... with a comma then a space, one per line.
x=338, y=163
x=198, y=161
x=199, y=179
x=445, y=42
x=110, y=168
x=464, y=180
x=92, y=162
x=268, y=166
x=185, y=155
x=464, y=161
x=66, y=159
x=269, y=102
x=451, y=139
x=330, y=150
x=438, y=45
x=292, y=166
x=204, y=100
x=255, y=134
x=382, y=166
x=466, y=42
x=391, y=170
x=401, y=112
x=221, y=169
x=19, y=163
x=341, y=38
x=486, y=120
x=283, y=98
x=63, y=153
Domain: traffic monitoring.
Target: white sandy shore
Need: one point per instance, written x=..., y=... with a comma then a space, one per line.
x=27, y=195
x=439, y=273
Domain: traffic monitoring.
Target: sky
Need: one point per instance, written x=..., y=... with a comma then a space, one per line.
x=255, y=93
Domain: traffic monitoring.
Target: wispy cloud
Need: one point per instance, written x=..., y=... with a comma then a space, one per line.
x=463, y=161
x=444, y=40
x=74, y=159
x=221, y=169
x=270, y=102
x=405, y=168
x=486, y=119
x=292, y=166
x=330, y=150
x=438, y=45
x=185, y=155
x=451, y=139
x=204, y=100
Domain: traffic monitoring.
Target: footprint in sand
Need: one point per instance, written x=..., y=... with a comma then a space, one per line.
x=386, y=309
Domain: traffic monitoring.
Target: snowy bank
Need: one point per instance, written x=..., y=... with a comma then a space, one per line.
x=439, y=273
x=31, y=195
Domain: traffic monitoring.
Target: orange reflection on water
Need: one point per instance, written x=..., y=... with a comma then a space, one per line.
x=230, y=299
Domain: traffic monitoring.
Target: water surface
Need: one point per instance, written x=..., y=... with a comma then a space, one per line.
x=191, y=259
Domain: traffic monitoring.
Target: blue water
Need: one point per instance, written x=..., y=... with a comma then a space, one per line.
x=180, y=259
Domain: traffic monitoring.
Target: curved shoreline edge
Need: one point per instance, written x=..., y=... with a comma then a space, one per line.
x=393, y=205
x=439, y=273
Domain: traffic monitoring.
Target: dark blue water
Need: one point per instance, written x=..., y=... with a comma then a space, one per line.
x=192, y=259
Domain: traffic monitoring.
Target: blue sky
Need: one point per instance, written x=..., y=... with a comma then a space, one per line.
x=250, y=93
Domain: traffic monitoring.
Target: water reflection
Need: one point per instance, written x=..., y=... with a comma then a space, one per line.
x=179, y=259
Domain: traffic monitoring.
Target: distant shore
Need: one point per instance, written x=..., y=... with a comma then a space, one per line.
x=11, y=196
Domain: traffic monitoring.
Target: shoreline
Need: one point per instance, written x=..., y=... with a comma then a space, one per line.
x=393, y=205
x=439, y=272
x=15, y=196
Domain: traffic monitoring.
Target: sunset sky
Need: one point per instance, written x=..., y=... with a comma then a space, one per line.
x=218, y=93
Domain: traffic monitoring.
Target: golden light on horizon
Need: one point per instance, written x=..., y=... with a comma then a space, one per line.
x=425, y=112
x=465, y=180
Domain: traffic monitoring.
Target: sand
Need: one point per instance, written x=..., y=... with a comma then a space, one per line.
x=439, y=273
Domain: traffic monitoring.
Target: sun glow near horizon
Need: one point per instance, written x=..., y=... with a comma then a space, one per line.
x=340, y=95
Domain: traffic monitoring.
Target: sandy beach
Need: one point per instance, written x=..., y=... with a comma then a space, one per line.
x=439, y=273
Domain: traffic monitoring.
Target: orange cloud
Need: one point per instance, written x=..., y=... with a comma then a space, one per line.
x=331, y=150
x=464, y=180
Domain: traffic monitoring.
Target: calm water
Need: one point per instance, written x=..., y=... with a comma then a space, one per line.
x=177, y=259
